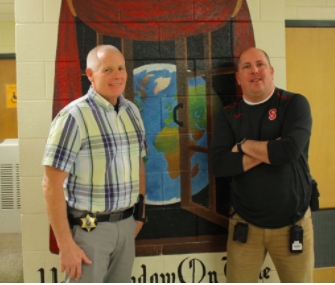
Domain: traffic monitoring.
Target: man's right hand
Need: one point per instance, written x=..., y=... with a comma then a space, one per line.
x=70, y=254
x=71, y=258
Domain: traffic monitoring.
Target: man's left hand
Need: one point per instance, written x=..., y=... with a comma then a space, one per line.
x=138, y=227
x=235, y=149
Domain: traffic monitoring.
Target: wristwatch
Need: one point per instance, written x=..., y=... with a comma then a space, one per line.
x=239, y=145
x=143, y=220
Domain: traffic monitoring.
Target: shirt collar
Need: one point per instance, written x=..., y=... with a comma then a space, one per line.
x=102, y=102
x=258, y=103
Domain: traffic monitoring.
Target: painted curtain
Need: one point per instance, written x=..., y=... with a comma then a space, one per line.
x=142, y=20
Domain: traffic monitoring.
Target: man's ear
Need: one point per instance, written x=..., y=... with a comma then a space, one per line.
x=89, y=74
x=272, y=72
x=237, y=78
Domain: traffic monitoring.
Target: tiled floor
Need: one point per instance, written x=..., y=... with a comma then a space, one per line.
x=11, y=270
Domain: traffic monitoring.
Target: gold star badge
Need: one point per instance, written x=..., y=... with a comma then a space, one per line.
x=88, y=223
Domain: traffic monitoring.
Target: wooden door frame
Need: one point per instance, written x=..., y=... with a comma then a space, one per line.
x=7, y=56
x=309, y=24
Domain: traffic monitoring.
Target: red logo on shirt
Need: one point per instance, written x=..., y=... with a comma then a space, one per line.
x=238, y=115
x=273, y=114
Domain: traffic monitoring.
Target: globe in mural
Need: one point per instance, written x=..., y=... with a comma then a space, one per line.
x=155, y=89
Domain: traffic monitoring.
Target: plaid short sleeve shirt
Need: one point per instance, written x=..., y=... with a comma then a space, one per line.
x=101, y=150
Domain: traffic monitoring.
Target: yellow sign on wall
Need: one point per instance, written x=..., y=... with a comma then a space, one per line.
x=11, y=96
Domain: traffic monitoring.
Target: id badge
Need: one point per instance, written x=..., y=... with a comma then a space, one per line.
x=296, y=240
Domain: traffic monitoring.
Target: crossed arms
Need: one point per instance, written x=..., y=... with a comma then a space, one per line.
x=255, y=152
x=283, y=149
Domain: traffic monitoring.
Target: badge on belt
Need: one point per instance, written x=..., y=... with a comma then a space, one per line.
x=89, y=223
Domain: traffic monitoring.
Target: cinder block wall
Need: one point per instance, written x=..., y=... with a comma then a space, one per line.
x=36, y=38
x=310, y=9
x=268, y=19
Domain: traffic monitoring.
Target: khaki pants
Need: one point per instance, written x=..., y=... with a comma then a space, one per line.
x=244, y=261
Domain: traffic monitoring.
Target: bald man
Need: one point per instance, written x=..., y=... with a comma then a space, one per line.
x=262, y=142
x=94, y=175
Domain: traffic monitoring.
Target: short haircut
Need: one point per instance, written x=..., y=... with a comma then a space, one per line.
x=239, y=58
x=93, y=61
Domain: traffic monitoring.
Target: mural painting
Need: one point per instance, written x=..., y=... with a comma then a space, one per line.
x=180, y=61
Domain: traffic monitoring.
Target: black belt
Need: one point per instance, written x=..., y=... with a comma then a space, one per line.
x=89, y=221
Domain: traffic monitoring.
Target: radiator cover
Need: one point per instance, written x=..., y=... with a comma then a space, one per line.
x=10, y=197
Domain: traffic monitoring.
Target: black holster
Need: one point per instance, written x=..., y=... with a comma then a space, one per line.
x=314, y=203
x=138, y=211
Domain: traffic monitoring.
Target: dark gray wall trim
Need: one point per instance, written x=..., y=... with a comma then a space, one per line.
x=7, y=55
x=309, y=24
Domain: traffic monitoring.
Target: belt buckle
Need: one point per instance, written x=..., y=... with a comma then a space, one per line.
x=115, y=217
x=89, y=223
